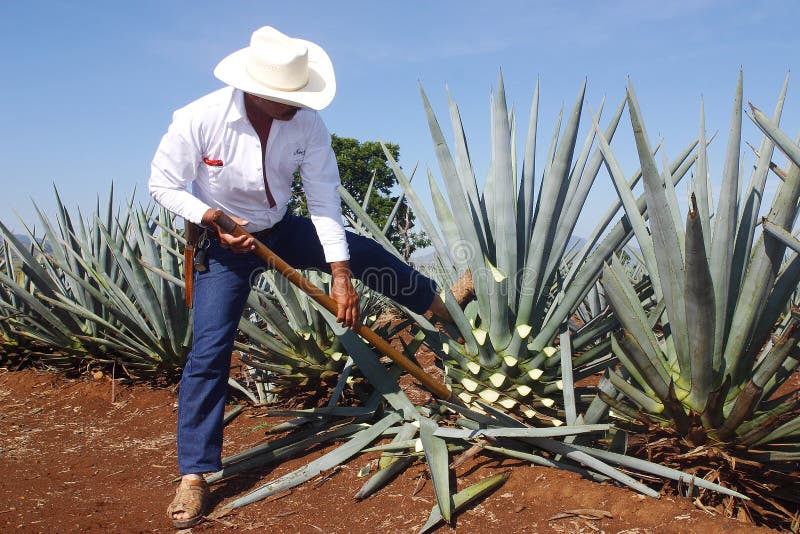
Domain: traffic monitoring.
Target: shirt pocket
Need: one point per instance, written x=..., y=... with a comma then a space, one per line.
x=214, y=173
x=212, y=177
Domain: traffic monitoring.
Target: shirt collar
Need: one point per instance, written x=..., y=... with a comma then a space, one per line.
x=236, y=111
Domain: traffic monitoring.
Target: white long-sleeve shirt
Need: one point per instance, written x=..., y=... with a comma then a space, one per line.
x=212, y=146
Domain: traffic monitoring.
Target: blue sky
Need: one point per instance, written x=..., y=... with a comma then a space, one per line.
x=89, y=86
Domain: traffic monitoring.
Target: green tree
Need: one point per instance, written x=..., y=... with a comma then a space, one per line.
x=358, y=163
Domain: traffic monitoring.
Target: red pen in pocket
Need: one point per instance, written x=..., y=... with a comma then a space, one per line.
x=212, y=162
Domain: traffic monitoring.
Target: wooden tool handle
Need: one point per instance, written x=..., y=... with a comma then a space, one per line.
x=228, y=225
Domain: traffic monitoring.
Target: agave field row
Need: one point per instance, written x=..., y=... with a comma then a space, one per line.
x=665, y=335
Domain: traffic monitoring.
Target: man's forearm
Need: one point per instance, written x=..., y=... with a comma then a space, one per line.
x=341, y=269
x=344, y=294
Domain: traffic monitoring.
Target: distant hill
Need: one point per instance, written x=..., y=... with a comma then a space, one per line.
x=25, y=240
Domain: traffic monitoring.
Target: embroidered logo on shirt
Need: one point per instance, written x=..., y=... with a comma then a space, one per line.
x=212, y=162
x=299, y=152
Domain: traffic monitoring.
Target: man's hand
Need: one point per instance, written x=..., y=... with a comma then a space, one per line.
x=237, y=244
x=343, y=292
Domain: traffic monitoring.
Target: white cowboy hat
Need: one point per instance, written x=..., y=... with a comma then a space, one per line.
x=281, y=68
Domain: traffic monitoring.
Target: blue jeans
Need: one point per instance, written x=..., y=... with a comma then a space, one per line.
x=219, y=299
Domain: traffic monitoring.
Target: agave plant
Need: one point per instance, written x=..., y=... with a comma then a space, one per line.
x=82, y=293
x=707, y=363
x=514, y=243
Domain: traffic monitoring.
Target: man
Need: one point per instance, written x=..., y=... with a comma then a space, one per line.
x=238, y=147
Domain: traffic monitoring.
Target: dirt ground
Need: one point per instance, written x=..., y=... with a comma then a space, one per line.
x=74, y=461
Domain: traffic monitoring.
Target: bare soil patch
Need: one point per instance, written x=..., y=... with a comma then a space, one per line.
x=73, y=461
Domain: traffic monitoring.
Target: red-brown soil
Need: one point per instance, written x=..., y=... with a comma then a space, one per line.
x=74, y=461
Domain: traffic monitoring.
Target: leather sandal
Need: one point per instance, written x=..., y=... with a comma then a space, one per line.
x=191, y=498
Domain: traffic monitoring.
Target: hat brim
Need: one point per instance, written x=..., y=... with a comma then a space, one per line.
x=317, y=93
